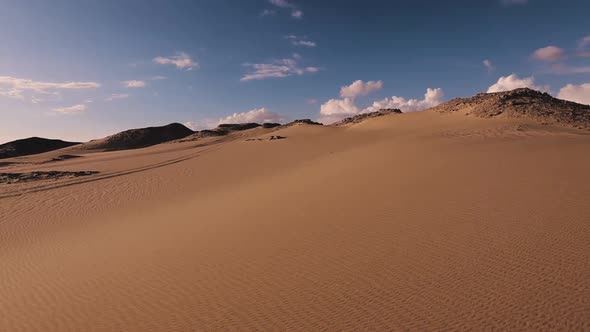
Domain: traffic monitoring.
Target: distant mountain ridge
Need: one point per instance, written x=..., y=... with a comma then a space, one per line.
x=32, y=145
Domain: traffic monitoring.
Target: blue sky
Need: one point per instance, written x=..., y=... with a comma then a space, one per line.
x=82, y=69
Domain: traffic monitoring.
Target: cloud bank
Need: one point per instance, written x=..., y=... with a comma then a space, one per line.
x=576, y=93
x=258, y=115
x=432, y=98
x=511, y=82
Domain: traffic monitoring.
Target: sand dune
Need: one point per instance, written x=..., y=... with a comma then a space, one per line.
x=417, y=221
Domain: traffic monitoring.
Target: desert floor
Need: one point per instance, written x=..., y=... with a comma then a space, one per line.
x=417, y=221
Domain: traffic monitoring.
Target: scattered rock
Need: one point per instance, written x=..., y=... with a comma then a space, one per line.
x=273, y=137
x=9, y=178
x=62, y=158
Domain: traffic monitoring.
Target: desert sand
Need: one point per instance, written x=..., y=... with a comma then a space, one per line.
x=416, y=221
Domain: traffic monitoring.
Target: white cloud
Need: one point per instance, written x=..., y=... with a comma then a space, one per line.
x=276, y=69
x=298, y=14
x=359, y=88
x=267, y=12
x=432, y=98
x=72, y=109
x=13, y=87
x=133, y=84
x=181, y=60
x=258, y=115
x=337, y=109
x=511, y=82
x=295, y=12
x=488, y=64
x=577, y=93
x=199, y=125
x=116, y=96
x=301, y=41
x=583, y=47
x=549, y=54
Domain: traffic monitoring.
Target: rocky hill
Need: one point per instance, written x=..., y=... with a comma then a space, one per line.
x=521, y=103
x=32, y=145
x=139, y=138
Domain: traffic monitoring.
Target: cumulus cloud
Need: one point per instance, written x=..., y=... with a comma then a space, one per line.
x=549, y=54
x=116, y=96
x=576, y=93
x=432, y=98
x=258, y=115
x=511, y=82
x=488, y=64
x=72, y=109
x=277, y=69
x=133, y=84
x=584, y=47
x=337, y=109
x=359, y=88
x=13, y=87
x=181, y=60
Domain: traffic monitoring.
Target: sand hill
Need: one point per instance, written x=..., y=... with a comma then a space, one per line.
x=414, y=221
x=139, y=138
x=521, y=103
x=33, y=145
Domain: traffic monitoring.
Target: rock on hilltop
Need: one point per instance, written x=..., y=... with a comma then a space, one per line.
x=365, y=116
x=521, y=103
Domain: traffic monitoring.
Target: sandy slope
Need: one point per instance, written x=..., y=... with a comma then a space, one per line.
x=413, y=221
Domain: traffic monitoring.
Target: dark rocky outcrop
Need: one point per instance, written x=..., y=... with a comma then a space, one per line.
x=139, y=138
x=303, y=121
x=521, y=103
x=33, y=145
x=237, y=126
x=269, y=125
x=10, y=178
x=364, y=116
